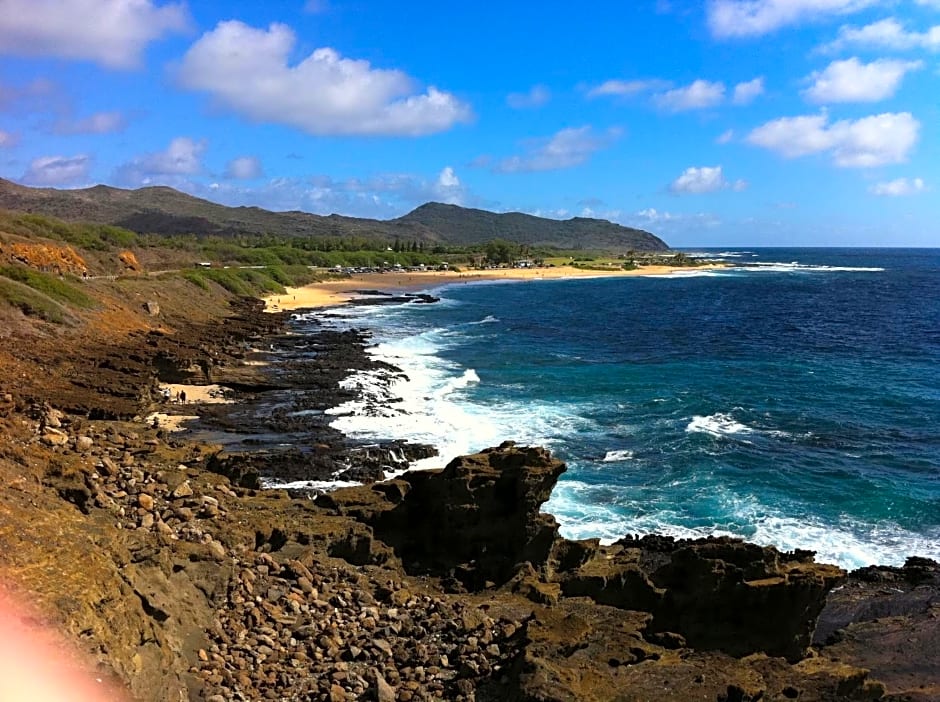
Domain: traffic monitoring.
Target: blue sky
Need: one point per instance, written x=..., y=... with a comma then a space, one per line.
x=715, y=123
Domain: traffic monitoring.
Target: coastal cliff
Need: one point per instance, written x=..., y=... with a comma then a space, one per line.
x=164, y=561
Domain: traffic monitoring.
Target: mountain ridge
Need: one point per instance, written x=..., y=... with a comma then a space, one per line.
x=163, y=210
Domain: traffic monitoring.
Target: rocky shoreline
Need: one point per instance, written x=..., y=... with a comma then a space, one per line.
x=187, y=581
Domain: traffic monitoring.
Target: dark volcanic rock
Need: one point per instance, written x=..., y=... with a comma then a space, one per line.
x=478, y=517
x=888, y=620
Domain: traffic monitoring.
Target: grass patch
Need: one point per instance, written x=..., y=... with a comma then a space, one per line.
x=31, y=302
x=251, y=282
x=197, y=279
x=49, y=285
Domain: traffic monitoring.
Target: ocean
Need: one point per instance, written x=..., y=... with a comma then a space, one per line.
x=793, y=401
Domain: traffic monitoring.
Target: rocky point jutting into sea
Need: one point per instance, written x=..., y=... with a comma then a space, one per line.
x=162, y=558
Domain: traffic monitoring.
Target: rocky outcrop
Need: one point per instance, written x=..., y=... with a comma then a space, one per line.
x=476, y=521
x=718, y=593
x=478, y=517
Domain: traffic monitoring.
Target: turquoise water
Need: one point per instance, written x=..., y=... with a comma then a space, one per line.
x=794, y=402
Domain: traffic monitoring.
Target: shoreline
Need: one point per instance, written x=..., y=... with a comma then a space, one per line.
x=229, y=592
x=339, y=291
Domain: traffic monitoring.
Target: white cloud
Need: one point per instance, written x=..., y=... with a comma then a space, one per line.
x=862, y=143
x=725, y=137
x=565, y=149
x=247, y=70
x=183, y=157
x=244, y=168
x=753, y=18
x=113, y=33
x=698, y=95
x=707, y=179
x=448, y=187
x=932, y=4
x=58, y=170
x=746, y=93
x=447, y=178
x=853, y=81
x=886, y=34
x=8, y=139
x=899, y=187
x=536, y=97
x=625, y=88
x=98, y=123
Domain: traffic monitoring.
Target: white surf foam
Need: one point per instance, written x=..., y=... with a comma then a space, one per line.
x=723, y=424
x=616, y=456
x=431, y=401
x=321, y=485
x=795, y=266
x=583, y=512
x=488, y=319
x=718, y=424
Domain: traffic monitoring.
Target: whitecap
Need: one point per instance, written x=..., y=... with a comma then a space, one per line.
x=618, y=455
x=718, y=424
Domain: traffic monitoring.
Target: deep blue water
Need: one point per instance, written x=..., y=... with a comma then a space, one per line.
x=795, y=403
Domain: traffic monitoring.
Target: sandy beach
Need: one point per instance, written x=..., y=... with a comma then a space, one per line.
x=341, y=290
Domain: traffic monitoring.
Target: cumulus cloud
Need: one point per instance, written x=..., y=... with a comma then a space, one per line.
x=862, y=143
x=246, y=70
x=98, y=123
x=537, y=96
x=58, y=170
x=244, y=168
x=112, y=33
x=565, y=149
x=707, y=179
x=698, y=95
x=183, y=157
x=625, y=88
x=746, y=93
x=853, y=81
x=899, y=187
x=448, y=187
x=886, y=34
x=754, y=18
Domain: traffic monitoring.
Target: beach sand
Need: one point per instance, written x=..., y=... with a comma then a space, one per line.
x=340, y=290
x=201, y=394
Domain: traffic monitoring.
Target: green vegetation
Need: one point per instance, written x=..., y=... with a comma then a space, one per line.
x=49, y=285
x=31, y=302
x=252, y=281
x=94, y=237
